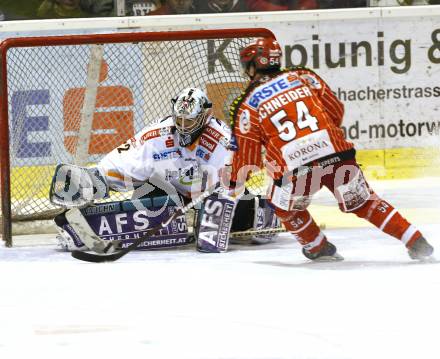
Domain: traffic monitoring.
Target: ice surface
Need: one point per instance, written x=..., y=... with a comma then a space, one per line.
x=255, y=302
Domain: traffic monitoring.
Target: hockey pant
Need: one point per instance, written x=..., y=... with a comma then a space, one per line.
x=347, y=183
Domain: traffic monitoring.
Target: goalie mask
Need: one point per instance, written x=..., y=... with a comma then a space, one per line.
x=191, y=111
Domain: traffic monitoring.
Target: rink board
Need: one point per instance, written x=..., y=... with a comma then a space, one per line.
x=398, y=163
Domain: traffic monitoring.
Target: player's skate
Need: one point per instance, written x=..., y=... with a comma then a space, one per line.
x=421, y=250
x=327, y=253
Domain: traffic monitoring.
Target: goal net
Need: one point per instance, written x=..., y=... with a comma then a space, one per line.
x=72, y=99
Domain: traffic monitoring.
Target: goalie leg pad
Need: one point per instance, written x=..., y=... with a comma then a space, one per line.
x=265, y=218
x=141, y=218
x=214, y=222
x=84, y=231
x=67, y=238
x=255, y=214
x=122, y=222
x=244, y=215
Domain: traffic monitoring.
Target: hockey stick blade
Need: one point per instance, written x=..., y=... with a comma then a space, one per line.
x=98, y=258
x=258, y=232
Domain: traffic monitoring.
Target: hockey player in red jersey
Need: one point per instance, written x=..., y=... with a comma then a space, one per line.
x=296, y=117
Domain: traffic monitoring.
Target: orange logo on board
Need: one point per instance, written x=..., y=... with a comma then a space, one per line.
x=109, y=129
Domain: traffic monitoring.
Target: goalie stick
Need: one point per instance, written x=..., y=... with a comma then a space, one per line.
x=98, y=258
x=256, y=232
x=236, y=236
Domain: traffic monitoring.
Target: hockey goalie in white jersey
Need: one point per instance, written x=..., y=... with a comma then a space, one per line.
x=164, y=165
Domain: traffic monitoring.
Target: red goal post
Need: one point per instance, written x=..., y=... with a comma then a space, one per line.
x=73, y=98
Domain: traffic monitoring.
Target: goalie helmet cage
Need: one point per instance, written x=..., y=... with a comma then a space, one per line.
x=74, y=98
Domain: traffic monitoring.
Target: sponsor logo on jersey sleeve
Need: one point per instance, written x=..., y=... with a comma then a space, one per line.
x=158, y=132
x=312, y=81
x=244, y=122
x=216, y=135
x=203, y=155
x=165, y=131
x=169, y=142
x=167, y=155
x=207, y=143
x=149, y=135
x=213, y=133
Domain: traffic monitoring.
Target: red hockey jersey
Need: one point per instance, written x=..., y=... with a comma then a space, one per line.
x=294, y=115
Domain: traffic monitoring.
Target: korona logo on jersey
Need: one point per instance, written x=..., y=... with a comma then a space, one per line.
x=309, y=150
x=272, y=88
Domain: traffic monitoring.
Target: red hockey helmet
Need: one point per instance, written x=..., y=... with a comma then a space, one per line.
x=264, y=53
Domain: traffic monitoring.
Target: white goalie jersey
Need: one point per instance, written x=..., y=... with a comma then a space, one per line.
x=155, y=152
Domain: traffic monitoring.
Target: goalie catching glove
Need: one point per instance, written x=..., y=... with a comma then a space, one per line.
x=74, y=186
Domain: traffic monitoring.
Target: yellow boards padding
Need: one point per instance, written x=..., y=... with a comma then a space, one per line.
x=31, y=181
x=400, y=163
x=396, y=163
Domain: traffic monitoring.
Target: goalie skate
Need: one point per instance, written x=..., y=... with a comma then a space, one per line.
x=328, y=253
